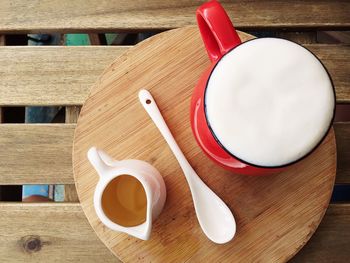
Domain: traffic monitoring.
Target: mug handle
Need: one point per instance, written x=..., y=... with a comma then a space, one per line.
x=217, y=31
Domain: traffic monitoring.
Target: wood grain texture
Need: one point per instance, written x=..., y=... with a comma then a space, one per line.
x=342, y=130
x=51, y=75
x=70, y=192
x=64, y=75
x=169, y=65
x=66, y=236
x=120, y=15
x=2, y=40
x=333, y=59
x=42, y=232
x=36, y=153
x=299, y=37
x=2, y=43
x=334, y=37
x=94, y=39
x=27, y=154
x=72, y=114
x=331, y=241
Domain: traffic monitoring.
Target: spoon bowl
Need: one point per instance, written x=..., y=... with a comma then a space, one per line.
x=215, y=218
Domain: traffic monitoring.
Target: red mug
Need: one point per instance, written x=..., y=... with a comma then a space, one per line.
x=220, y=38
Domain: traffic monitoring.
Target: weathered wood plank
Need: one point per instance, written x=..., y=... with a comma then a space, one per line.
x=72, y=114
x=2, y=40
x=60, y=232
x=118, y=15
x=342, y=133
x=36, y=153
x=330, y=243
x=55, y=232
x=299, y=37
x=51, y=75
x=336, y=57
x=70, y=192
x=2, y=43
x=94, y=39
x=41, y=154
x=97, y=39
x=64, y=75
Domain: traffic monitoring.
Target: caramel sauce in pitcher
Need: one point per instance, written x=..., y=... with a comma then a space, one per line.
x=124, y=201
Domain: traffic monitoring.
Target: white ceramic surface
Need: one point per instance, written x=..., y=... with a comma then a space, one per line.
x=149, y=177
x=215, y=218
x=269, y=101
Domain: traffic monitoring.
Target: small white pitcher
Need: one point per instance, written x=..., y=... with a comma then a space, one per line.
x=151, y=180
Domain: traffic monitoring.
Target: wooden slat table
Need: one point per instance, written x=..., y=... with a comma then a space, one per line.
x=41, y=153
x=22, y=146
x=118, y=15
x=77, y=68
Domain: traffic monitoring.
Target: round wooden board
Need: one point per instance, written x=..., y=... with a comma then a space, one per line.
x=276, y=215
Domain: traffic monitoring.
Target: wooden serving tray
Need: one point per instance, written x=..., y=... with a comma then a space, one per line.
x=276, y=215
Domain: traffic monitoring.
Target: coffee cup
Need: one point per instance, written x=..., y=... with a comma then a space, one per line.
x=262, y=105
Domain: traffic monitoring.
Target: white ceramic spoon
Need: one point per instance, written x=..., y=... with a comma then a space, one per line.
x=215, y=218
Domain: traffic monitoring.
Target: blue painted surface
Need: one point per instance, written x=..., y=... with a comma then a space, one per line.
x=28, y=190
x=341, y=193
x=59, y=193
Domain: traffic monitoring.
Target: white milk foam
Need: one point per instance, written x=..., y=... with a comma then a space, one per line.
x=269, y=102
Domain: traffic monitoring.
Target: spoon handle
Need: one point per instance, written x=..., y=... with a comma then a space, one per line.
x=152, y=109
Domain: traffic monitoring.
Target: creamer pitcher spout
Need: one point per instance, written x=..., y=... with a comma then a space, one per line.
x=142, y=231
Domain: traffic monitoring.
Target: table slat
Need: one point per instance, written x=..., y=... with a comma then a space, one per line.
x=120, y=15
x=335, y=57
x=330, y=243
x=51, y=75
x=64, y=75
x=56, y=232
x=342, y=134
x=41, y=153
x=60, y=232
x=36, y=154
x=70, y=192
